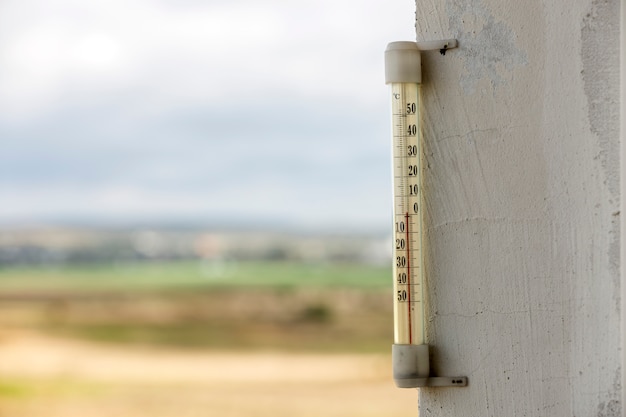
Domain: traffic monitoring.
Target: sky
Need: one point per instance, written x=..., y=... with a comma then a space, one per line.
x=239, y=111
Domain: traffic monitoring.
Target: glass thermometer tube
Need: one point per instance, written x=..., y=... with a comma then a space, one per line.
x=407, y=215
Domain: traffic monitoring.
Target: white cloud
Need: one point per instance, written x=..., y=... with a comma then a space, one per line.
x=200, y=53
x=97, y=52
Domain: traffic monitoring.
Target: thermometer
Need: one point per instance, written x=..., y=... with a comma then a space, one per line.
x=410, y=350
x=407, y=211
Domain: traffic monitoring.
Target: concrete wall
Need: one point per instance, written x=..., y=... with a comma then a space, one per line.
x=521, y=130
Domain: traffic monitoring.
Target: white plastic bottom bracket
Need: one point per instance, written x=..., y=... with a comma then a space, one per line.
x=411, y=369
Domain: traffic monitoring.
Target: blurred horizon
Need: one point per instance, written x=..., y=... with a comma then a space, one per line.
x=63, y=245
x=217, y=224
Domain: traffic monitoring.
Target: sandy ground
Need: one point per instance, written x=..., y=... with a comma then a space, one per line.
x=43, y=376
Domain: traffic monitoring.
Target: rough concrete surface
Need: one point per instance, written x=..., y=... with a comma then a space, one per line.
x=521, y=131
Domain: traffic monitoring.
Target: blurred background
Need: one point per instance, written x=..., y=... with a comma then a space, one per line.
x=194, y=208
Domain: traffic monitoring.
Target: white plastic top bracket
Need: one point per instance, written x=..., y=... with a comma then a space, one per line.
x=442, y=45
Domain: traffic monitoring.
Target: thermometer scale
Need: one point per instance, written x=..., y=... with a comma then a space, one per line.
x=410, y=355
x=407, y=268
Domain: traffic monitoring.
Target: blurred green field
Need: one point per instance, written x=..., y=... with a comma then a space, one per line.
x=205, y=305
x=192, y=274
